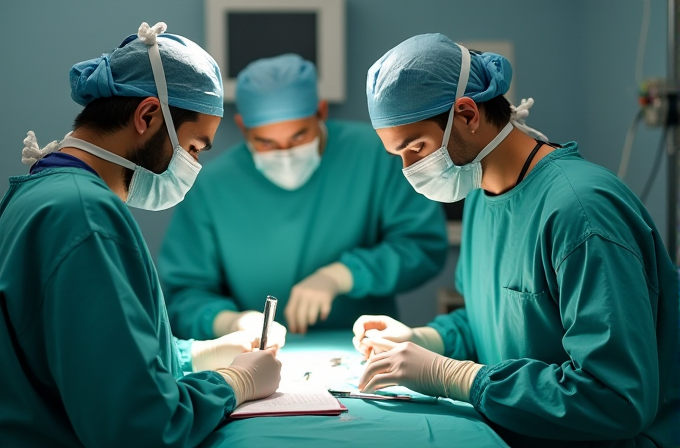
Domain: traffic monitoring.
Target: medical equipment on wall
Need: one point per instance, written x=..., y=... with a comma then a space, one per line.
x=659, y=100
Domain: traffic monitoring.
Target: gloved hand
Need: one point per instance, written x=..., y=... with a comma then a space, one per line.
x=253, y=375
x=391, y=329
x=313, y=297
x=407, y=364
x=216, y=353
x=251, y=322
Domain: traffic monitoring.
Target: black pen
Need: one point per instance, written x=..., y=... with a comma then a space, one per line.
x=269, y=313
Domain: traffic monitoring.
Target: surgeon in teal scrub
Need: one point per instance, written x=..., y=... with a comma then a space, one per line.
x=88, y=358
x=305, y=209
x=569, y=336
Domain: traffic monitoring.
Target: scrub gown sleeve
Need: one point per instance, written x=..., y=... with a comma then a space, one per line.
x=414, y=243
x=189, y=268
x=103, y=354
x=609, y=388
x=454, y=329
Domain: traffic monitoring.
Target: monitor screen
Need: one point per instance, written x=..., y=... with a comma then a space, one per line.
x=256, y=35
x=239, y=32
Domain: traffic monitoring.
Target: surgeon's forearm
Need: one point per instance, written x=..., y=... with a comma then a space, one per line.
x=240, y=381
x=459, y=377
x=341, y=276
x=561, y=402
x=393, y=265
x=188, y=408
x=193, y=311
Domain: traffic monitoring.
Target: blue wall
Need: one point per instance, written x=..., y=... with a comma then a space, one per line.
x=576, y=58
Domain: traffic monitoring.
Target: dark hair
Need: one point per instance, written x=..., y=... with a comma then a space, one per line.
x=496, y=110
x=114, y=113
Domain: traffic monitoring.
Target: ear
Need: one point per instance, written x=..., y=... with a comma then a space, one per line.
x=467, y=109
x=148, y=116
x=323, y=110
x=238, y=119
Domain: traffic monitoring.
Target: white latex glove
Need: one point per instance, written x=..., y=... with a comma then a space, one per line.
x=217, y=353
x=251, y=322
x=253, y=375
x=407, y=364
x=313, y=297
x=391, y=329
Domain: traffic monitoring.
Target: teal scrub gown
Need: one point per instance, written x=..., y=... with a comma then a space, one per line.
x=237, y=237
x=88, y=358
x=572, y=306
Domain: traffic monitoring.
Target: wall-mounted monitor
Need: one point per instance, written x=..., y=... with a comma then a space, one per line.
x=241, y=31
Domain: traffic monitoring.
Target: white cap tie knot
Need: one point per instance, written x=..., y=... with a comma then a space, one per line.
x=148, y=34
x=32, y=152
x=518, y=117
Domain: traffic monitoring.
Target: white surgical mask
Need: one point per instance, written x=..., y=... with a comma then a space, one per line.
x=436, y=176
x=148, y=190
x=290, y=168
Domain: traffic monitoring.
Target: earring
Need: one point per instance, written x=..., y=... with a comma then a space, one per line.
x=472, y=131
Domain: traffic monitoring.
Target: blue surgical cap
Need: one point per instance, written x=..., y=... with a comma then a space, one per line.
x=418, y=78
x=192, y=75
x=272, y=90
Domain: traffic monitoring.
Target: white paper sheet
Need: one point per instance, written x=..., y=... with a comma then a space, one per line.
x=292, y=398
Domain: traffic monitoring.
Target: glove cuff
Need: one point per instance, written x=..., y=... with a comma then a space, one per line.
x=428, y=338
x=458, y=378
x=341, y=275
x=241, y=382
